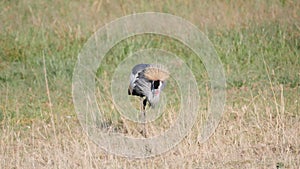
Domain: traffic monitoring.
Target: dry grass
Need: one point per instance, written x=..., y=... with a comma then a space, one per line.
x=260, y=127
x=250, y=135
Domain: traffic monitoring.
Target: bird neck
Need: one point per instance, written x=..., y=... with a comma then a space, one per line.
x=153, y=98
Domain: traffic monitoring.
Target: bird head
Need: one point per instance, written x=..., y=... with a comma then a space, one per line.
x=157, y=76
x=156, y=88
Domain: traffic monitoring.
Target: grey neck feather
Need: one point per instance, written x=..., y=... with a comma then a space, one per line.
x=153, y=99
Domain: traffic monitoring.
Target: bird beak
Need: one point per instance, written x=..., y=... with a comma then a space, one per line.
x=156, y=91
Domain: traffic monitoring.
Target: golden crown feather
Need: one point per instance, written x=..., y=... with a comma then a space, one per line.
x=156, y=72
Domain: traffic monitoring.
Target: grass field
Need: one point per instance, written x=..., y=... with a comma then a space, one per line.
x=258, y=43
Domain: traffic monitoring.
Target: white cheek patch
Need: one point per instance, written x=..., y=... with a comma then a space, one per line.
x=160, y=85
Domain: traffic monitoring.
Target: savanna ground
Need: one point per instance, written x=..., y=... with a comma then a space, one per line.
x=258, y=43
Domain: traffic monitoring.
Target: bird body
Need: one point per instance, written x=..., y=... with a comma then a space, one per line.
x=147, y=80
